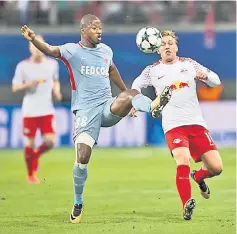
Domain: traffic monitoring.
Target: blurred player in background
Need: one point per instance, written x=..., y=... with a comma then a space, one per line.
x=91, y=67
x=182, y=121
x=37, y=76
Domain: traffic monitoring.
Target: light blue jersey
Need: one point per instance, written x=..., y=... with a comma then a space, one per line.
x=89, y=74
x=91, y=90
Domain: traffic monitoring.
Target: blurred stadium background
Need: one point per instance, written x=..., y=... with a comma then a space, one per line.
x=207, y=33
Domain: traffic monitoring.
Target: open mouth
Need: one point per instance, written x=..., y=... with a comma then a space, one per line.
x=99, y=37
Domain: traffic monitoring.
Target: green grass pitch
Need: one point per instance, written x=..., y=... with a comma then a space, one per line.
x=128, y=191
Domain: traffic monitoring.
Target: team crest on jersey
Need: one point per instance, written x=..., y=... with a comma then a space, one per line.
x=106, y=60
x=177, y=141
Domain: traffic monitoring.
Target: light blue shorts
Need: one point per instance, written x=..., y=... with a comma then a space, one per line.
x=91, y=120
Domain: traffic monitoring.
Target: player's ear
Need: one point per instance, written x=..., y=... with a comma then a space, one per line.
x=82, y=31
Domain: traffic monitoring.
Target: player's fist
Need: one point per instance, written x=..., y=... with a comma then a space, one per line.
x=133, y=112
x=27, y=33
x=201, y=76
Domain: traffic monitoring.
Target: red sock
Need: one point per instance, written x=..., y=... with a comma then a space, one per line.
x=42, y=149
x=29, y=153
x=202, y=174
x=183, y=183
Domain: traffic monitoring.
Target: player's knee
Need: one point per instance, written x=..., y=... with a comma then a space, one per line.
x=83, y=152
x=83, y=155
x=83, y=146
x=126, y=98
x=133, y=92
x=181, y=158
x=30, y=142
x=129, y=94
x=217, y=170
x=183, y=161
x=49, y=142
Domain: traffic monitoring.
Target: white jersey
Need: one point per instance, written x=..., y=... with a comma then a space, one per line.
x=38, y=100
x=183, y=108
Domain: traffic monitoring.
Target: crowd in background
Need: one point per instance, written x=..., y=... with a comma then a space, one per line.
x=113, y=12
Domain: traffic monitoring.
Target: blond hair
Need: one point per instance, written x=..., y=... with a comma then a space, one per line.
x=171, y=33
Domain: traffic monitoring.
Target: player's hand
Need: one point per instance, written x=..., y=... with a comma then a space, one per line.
x=27, y=33
x=58, y=96
x=201, y=76
x=33, y=84
x=133, y=112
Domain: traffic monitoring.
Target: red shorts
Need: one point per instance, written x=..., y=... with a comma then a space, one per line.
x=195, y=137
x=46, y=124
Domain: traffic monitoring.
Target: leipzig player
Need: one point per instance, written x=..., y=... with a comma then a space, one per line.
x=182, y=121
x=37, y=77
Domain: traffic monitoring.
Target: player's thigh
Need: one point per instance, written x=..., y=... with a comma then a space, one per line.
x=47, y=125
x=200, y=142
x=212, y=161
x=178, y=144
x=108, y=118
x=30, y=125
x=86, y=133
x=122, y=105
x=181, y=155
x=87, y=122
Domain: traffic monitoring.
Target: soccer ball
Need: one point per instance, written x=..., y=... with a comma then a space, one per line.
x=148, y=39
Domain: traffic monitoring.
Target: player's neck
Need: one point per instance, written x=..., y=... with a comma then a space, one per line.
x=170, y=61
x=37, y=59
x=86, y=43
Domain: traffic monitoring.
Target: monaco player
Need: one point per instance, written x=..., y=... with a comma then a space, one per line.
x=91, y=68
x=182, y=121
x=38, y=78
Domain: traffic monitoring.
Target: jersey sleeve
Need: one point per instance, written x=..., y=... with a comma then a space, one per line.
x=112, y=56
x=143, y=80
x=67, y=50
x=19, y=75
x=212, y=78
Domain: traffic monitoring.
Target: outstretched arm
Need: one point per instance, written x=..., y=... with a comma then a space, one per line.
x=116, y=78
x=42, y=46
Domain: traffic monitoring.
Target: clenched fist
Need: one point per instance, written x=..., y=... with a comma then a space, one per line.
x=201, y=76
x=133, y=112
x=27, y=33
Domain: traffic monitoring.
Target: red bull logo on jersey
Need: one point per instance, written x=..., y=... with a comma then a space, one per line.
x=91, y=70
x=177, y=85
x=41, y=81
